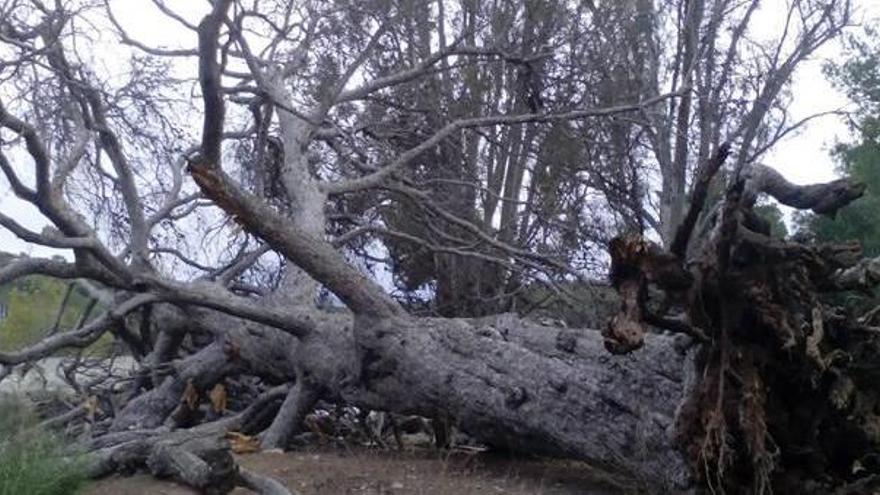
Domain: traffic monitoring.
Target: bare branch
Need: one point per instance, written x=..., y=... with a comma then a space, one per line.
x=128, y=40
x=18, y=187
x=34, y=147
x=824, y=198
x=376, y=178
x=22, y=267
x=49, y=237
x=210, y=80
x=214, y=296
x=314, y=255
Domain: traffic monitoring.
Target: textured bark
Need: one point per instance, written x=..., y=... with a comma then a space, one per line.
x=824, y=198
x=299, y=401
x=201, y=371
x=198, y=457
x=212, y=471
x=535, y=389
x=244, y=347
x=504, y=381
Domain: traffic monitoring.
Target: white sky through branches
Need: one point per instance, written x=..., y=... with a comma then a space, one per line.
x=802, y=157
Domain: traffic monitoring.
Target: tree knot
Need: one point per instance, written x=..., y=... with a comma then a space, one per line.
x=516, y=398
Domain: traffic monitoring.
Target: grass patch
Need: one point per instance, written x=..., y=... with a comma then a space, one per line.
x=32, y=461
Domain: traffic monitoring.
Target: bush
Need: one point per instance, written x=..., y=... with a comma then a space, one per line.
x=31, y=307
x=34, y=462
x=32, y=303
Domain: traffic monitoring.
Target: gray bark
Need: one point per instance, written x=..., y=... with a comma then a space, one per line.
x=504, y=381
x=299, y=401
x=150, y=409
x=211, y=472
x=513, y=384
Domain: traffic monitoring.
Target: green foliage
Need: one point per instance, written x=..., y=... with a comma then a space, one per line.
x=580, y=305
x=859, y=77
x=32, y=461
x=861, y=219
x=32, y=305
x=771, y=213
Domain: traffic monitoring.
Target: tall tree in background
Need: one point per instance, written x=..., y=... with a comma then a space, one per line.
x=859, y=78
x=562, y=191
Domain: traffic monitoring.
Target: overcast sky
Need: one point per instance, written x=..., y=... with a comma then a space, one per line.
x=805, y=156
x=802, y=157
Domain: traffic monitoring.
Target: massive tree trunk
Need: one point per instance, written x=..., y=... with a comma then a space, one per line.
x=504, y=381
x=533, y=389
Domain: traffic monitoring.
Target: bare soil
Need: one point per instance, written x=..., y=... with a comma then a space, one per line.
x=361, y=471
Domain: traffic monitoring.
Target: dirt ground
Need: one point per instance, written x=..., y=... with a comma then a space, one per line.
x=338, y=471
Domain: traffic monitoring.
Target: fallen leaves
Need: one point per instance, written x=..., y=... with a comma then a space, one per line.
x=217, y=395
x=240, y=443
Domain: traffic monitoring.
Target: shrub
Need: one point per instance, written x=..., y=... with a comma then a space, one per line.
x=32, y=461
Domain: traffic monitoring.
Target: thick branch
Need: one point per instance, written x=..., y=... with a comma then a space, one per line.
x=261, y=484
x=216, y=297
x=311, y=253
x=210, y=79
x=22, y=267
x=50, y=239
x=314, y=255
x=824, y=198
x=299, y=402
x=863, y=276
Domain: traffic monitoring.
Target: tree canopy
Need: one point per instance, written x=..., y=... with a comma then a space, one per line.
x=859, y=76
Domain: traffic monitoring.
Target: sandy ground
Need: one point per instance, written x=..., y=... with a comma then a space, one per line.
x=336, y=471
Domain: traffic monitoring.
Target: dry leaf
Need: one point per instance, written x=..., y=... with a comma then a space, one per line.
x=218, y=398
x=190, y=396
x=241, y=443
x=91, y=407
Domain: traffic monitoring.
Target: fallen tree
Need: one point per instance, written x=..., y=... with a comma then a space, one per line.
x=225, y=363
x=557, y=391
x=504, y=381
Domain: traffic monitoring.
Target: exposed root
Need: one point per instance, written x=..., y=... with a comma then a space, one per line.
x=788, y=389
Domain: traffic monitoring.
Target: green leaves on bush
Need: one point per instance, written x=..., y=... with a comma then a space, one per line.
x=32, y=461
